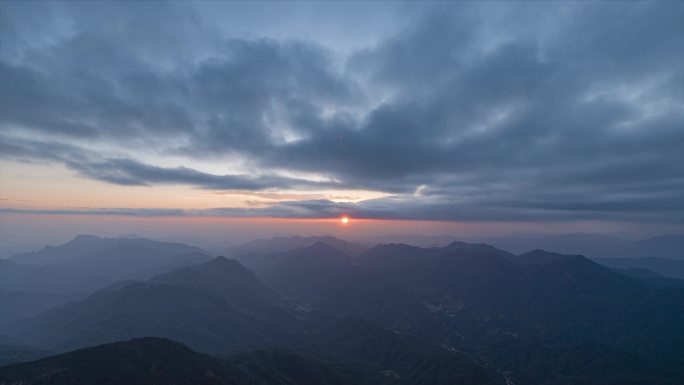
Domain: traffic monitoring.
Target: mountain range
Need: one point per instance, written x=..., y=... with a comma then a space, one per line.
x=278, y=244
x=388, y=314
x=589, y=245
x=54, y=275
x=596, y=246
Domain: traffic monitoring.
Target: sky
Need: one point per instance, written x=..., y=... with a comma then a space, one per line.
x=258, y=118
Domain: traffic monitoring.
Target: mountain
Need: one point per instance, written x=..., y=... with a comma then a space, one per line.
x=62, y=279
x=482, y=294
x=481, y=248
x=668, y=246
x=464, y=294
x=396, y=254
x=80, y=246
x=410, y=360
x=529, y=362
x=393, y=254
x=461, y=291
x=89, y=246
x=150, y=361
x=182, y=313
x=537, y=257
x=236, y=285
x=88, y=262
x=10, y=353
x=395, y=314
x=378, y=290
x=161, y=361
x=573, y=243
x=356, y=352
x=295, y=272
x=282, y=244
x=413, y=239
x=650, y=277
x=137, y=261
x=8, y=250
x=666, y=267
x=374, y=296
x=280, y=366
x=16, y=305
x=303, y=271
x=596, y=246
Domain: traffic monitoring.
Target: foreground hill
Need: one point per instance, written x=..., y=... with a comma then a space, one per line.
x=152, y=361
x=11, y=353
x=346, y=352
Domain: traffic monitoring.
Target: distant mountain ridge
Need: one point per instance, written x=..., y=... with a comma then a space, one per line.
x=298, y=272
x=94, y=247
x=279, y=244
x=596, y=246
x=665, y=267
x=89, y=262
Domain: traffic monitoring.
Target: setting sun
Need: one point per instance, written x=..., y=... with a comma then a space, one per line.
x=344, y=220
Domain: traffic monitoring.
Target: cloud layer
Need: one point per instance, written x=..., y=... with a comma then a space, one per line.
x=471, y=111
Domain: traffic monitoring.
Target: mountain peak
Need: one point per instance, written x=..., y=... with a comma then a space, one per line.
x=137, y=361
x=538, y=257
x=224, y=264
x=395, y=246
x=477, y=248
x=321, y=245
x=220, y=258
x=456, y=244
x=283, y=244
x=86, y=238
x=320, y=248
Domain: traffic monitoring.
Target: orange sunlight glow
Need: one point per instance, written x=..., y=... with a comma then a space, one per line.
x=344, y=220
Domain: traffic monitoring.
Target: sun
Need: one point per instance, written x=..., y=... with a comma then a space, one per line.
x=344, y=220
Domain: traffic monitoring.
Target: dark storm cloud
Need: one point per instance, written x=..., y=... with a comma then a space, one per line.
x=484, y=111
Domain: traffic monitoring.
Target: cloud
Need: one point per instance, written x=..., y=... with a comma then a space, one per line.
x=553, y=111
x=405, y=208
x=133, y=173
